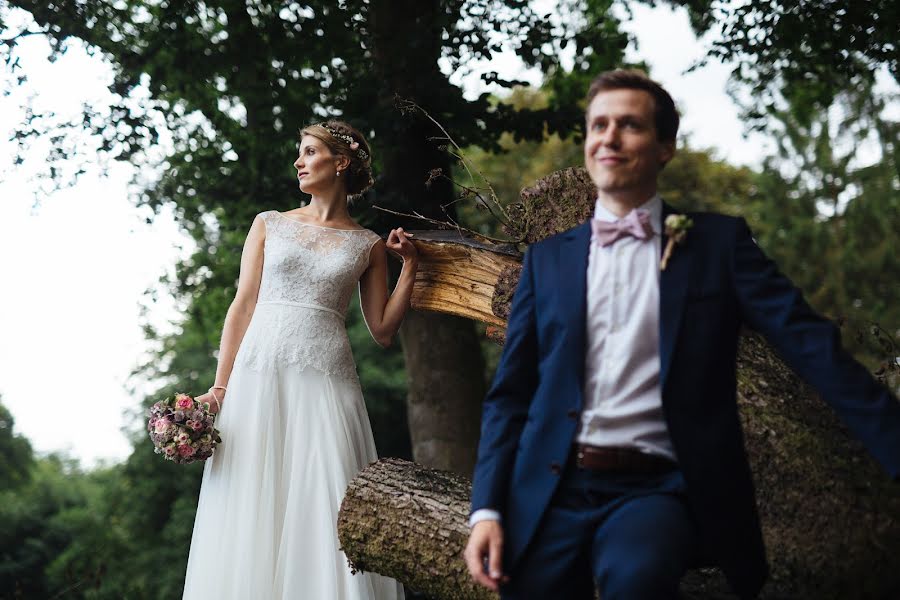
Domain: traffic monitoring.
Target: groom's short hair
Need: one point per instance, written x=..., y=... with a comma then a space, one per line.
x=665, y=114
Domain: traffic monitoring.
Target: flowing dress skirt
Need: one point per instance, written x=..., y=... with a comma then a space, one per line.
x=266, y=525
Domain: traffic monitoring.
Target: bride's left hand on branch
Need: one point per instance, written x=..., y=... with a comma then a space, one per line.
x=398, y=243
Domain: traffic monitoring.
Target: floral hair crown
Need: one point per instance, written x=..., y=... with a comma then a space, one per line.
x=354, y=145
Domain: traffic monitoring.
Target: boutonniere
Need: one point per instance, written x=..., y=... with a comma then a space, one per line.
x=676, y=230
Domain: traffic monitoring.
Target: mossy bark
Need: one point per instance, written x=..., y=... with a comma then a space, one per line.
x=552, y=205
x=407, y=522
x=830, y=515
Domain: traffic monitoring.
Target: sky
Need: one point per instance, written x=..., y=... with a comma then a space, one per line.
x=76, y=263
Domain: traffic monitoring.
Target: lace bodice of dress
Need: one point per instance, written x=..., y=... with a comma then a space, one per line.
x=309, y=274
x=314, y=265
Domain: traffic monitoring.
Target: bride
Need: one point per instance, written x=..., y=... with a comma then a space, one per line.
x=294, y=426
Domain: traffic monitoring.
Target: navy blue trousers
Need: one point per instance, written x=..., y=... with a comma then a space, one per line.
x=631, y=536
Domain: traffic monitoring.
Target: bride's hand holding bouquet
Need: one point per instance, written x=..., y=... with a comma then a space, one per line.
x=214, y=398
x=182, y=430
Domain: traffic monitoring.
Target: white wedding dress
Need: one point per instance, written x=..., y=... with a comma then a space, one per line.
x=294, y=433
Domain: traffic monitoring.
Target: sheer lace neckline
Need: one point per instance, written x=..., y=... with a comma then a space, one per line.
x=284, y=216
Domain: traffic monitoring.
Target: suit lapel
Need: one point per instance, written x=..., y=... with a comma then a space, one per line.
x=673, y=284
x=572, y=267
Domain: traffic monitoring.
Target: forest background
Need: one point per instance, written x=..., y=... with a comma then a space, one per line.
x=226, y=82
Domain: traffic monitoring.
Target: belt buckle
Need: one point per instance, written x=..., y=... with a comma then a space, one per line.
x=579, y=458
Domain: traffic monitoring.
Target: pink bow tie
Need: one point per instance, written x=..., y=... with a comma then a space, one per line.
x=636, y=223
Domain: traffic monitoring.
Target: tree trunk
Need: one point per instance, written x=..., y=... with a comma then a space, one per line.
x=443, y=354
x=457, y=276
x=446, y=387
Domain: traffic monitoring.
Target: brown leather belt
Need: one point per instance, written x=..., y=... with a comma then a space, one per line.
x=630, y=460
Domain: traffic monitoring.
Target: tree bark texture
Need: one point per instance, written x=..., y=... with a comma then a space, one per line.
x=446, y=387
x=405, y=521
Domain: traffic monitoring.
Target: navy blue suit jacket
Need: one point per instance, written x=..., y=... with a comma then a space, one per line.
x=716, y=281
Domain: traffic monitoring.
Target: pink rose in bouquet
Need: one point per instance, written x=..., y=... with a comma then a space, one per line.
x=183, y=402
x=185, y=450
x=182, y=430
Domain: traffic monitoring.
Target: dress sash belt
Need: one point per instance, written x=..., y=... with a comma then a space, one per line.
x=302, y=305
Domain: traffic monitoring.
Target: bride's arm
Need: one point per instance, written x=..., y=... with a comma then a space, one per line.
x=241, y=310
x=384, y=314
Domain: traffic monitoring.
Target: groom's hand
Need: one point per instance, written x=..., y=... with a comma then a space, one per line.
x=486, y=545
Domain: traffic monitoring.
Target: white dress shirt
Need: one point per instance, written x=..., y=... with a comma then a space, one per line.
x=622, y=393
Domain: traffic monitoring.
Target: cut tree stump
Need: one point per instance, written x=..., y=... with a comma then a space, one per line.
x=457, y=275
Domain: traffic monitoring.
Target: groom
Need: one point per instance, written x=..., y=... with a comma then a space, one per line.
x=611, y=451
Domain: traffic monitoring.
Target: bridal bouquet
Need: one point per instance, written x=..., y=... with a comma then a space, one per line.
x=182, y=429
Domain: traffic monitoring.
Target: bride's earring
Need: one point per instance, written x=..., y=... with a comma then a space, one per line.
x=337, y=174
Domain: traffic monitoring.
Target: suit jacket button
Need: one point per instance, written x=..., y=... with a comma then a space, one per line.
x=555, y=468
x=572, y=414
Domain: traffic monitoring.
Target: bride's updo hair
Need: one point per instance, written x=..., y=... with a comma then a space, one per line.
x=344, y=139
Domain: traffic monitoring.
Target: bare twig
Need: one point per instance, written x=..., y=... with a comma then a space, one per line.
x=410, y=105
x=474, y=193
x=488, y=200
x=449, y=224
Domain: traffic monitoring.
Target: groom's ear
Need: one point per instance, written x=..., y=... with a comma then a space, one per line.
x=667, y=151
